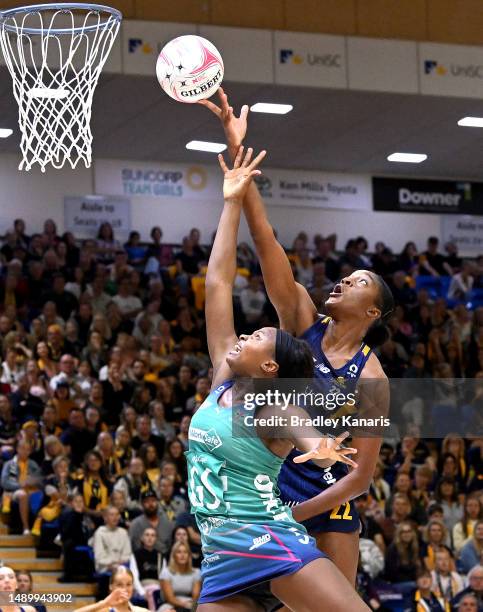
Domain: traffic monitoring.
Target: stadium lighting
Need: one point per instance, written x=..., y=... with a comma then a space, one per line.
x=408, y=158
x=471, y=122
x=275, y=109
x=208, y=147
x=5, y=132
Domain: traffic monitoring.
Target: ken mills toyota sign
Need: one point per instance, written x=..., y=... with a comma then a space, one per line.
x=424, y=196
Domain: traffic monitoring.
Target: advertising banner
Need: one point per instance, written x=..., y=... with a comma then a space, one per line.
x=83, y=215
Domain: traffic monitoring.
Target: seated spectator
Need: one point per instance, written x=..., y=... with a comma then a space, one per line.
x=175, y=453
x=58, y=487
x=111, y=543
x=436, y=538
x=20, y=478
x=472, y=552
x=180, y=583
x=119, y=501
x=8, y=427
x=159, y=426
x=123, y=448
x=202, y=392
x=432, y=263
x=153, y=517
x=25, y=584
x=420, y=495
x=463, y=530
x=129, y=305
x=76, y=528
x=105, y=447
x=94, y=424
x=172, y=505
x=93, y=486
x=144, y=435
x=475, y=588
x=446, y=494
x=63, y=401
x=106, y=245
x=49, y=423
x=424, y=598
x=181, y=534
x=146, y=564
x=462, y=283
x=454, y=445
x=152, y=464
x=402, y=556
x=128, y=419
x=135, y=483
x=76, y=438
x=401, y=509
x=11, y=370
x=403, y=485
x=446, y=583
x=52, y=449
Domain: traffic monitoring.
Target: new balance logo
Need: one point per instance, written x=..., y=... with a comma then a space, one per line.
x=260, y=541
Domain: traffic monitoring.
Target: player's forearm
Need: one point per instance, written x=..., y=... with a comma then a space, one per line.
x=345, y=489
x=222, y=264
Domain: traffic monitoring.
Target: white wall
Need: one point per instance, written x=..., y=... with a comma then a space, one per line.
x=36, y=196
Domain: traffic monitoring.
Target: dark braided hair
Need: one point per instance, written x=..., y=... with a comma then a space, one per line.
x=378, y=332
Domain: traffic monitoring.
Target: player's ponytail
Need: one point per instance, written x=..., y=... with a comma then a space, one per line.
x=293, y=356
x=378, y=333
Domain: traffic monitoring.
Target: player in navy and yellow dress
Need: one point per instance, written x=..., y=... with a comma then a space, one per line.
x=357, y=309
x=299, y=482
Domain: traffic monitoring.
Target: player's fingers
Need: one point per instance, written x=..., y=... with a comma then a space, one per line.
x=213, y=107
x=224, y=101
x=248, y=157
x=304, y=457
x=239, y=157
x=348, y=461
x=347, y=451
x=244, y=111
x=258, y=159
x=255, y=173
x=221, y=160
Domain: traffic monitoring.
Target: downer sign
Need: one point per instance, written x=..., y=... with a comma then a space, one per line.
x=420, y=196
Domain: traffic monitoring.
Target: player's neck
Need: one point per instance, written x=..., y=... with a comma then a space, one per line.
x=343, y=337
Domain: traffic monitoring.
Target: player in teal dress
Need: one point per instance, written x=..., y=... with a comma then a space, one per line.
x=248, y=535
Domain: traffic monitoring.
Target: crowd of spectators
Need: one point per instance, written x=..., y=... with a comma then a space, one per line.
x=104, y=362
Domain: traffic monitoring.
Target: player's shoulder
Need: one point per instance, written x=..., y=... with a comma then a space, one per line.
x=373, y=368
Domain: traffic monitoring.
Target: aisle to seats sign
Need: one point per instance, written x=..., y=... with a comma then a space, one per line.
x=83, y=215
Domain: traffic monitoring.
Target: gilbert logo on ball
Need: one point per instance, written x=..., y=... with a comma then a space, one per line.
x=189, y=68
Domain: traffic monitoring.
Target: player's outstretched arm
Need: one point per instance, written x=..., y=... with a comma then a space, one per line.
x=221, y=273
x=294, y=306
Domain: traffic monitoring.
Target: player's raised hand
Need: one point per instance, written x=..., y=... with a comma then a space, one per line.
x=329, y=448
x=239, y=177
x=235, y=127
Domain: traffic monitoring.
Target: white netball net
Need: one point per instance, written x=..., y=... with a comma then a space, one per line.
x=55, y=54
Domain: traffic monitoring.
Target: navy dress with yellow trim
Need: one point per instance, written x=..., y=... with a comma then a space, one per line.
x=301, y=481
